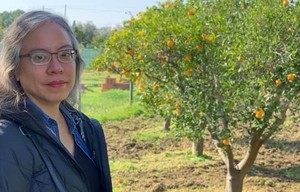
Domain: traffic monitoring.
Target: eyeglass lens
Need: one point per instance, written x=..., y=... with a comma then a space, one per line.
x=42, y=58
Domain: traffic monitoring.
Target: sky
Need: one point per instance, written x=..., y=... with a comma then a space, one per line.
x=103, y=13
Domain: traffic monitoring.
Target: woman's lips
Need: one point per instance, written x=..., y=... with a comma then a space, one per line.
x=56, y=84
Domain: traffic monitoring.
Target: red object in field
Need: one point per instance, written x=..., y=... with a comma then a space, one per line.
x=111, y=83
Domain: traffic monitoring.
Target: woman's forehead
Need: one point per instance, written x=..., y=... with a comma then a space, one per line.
x=48, y=36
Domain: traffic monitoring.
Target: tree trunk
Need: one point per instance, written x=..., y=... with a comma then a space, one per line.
x=234, y=182
x=167, y=124
x=130, y=92
x=197, y=147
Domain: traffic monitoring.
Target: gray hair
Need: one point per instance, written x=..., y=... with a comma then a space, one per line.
x=11, y=94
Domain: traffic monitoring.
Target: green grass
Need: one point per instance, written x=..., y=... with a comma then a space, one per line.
x=123, y=165
x=293, y=172
x=109, y=105
x=150, y=135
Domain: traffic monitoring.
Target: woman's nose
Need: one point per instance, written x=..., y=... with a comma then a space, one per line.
x=55, y=66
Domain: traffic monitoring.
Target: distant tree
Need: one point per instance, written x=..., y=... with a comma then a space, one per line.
x=85, y=32
x=106, y=31
x=90, y=30
x=98, y=40
x=101, y=37
x=79, y=33
x=1, y=33
x=6, y=18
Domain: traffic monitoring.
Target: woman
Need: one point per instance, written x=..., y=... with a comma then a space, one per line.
x=45, y=143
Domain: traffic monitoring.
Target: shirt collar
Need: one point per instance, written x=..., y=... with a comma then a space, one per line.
x=30, y=103
x=67, y=115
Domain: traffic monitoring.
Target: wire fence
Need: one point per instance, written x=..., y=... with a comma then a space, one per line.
x=89, y=54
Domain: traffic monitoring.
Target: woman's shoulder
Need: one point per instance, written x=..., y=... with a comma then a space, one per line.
x=14, y=144
x=11, y=136
x=17, y=159
x=7, y=127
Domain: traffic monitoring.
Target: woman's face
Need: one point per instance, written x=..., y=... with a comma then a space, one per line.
x=50, y=83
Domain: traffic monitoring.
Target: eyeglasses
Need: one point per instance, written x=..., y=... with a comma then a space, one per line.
x=44, y=57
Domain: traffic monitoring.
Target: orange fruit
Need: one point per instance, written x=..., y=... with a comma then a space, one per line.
x=259, y=113
x=278, y=82
x=170, y=43
x=188, y=72
x=177, y=111
x=131, y=51
x=109, y=70
x=191, y=11
x=141, y=87
x=116, y=64
x=290, y=76
x=199, y=47
x=188, y=57
x=226, y=141
x=205, y=36
x=285, y=3
x=126, y=74
x=119, y=181
x=177, y=106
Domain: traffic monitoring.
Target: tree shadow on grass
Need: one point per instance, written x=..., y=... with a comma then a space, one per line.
x=290, y=173
x=284, y=145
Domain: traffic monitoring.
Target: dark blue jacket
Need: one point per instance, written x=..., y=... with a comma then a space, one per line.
x=21, y=167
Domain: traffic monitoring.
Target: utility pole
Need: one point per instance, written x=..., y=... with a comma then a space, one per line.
x=65, y=10
x=130, y=82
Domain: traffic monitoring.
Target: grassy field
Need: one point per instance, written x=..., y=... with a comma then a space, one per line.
x=109, y=105
x=143, y=158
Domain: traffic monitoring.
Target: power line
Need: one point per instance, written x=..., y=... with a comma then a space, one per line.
x=101, y=10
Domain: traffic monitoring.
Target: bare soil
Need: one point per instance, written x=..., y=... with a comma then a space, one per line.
x=156, y=169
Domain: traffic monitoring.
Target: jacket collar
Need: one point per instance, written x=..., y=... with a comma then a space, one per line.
x=30, y=118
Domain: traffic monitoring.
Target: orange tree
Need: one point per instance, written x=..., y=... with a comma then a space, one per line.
x=228, y=68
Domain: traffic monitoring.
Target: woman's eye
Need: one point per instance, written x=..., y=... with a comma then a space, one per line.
x=65, y=54
x=39, y=57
